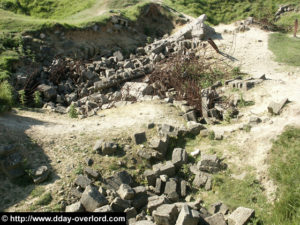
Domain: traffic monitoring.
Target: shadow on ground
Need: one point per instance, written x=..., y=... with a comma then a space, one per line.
x=13, y=133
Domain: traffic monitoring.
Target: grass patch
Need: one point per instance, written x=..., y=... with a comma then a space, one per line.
x=218, y=11
x=38, y=191
x=243, y=103
x=6, y=96
x=286, y=49
x=45, y=199
x=247, y=192
x=285, y=170
x=79, y=170
x=46, y=8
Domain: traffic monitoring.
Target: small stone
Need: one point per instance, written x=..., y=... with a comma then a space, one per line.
x=104, y=209
x=119, y=205
x=275, y=108
x=219, y=207
x=183, y=188
x=130, y=213
x=139, y=138
x=41, y=174
x=196, y=152
x=179, y=157
x=165, y=214
x=151, y=125
x=82, y=181
x=126, y=192
x=188, y=216
x=91, y=199
x=91, y=173
x=155, y=201
x=164, y=178
x=201, y=179
x=89, y=161
x=76, y=207
x=158, y=186
x=216, y=219
x=98, y=146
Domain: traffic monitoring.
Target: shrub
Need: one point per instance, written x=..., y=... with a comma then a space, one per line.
x=22, y=97
x=187, y=75
x=149, y=40
x=37, y=99
x=73, y=113
x=6, y=96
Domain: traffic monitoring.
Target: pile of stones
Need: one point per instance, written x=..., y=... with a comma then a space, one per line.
x=164, y=199
x=99, y=84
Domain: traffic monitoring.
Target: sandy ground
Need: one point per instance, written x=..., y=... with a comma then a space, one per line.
x=250, y=50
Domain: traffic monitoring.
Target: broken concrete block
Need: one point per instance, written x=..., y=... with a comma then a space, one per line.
x=155, y=201
x=216, y=219
x=139, y=138
x=275, y=108
x=126, y=192
x=165, y=214
x=179, y=157
x=91, y=199
x=201, y=180
x=209, y=163
x=188, y=216
x=76, y=207
x=240, y=216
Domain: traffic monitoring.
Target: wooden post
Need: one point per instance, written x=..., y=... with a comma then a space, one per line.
x=296, y=28
x=212, y=43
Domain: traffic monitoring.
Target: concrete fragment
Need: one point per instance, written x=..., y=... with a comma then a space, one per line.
x=240, y=216
x=275, y=108
x=91, y=199
x=165, y=214
x=216, y=219
x=188, y=216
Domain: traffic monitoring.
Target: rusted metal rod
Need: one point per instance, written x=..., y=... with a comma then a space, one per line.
x=296, y=28
x=212, y=43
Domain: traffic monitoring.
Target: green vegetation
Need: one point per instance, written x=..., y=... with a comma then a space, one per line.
x=244, y=103
x=211, y=135
x=73, y=113
x=79, y=170
x=286, y=49
x=22, y=97
x=219, y=11
x=247, y=192
x=6, y=96
x=285, y=170
x=247, y=128
x=38, y=191
x=37, y=99
x=46, y=8
x=44, y=199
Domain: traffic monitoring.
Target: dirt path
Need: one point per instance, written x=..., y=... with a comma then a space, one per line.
x=250, y=49
x=107, y=123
